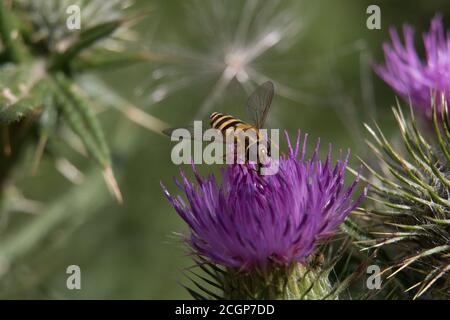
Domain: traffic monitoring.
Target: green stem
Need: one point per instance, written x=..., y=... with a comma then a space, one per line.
x=15, y=49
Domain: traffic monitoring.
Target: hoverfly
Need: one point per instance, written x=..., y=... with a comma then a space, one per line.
x=258, y=106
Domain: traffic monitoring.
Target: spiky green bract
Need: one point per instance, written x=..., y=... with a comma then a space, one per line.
x=40, y=60
x=291, y=282
x=310, y=280
x=30, y=56
x=411, y=213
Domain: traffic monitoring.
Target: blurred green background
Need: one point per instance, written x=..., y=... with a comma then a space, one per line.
x=129, y=251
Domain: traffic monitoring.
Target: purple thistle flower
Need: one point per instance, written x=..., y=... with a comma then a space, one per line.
x=250, y=220
x=411, y=77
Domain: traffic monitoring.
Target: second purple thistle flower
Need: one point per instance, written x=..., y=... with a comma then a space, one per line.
x=251, y=221
x=412, y=77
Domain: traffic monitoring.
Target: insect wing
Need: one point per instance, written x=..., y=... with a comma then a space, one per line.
x=258, y=104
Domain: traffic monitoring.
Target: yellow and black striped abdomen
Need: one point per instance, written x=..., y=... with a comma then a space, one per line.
x=223, y=122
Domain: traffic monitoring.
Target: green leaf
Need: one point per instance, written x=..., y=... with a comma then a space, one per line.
x=79, y=116
x=85, y=110
x=81, y=119
x=14, y=47
x=86, y=39
x=22, y=89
